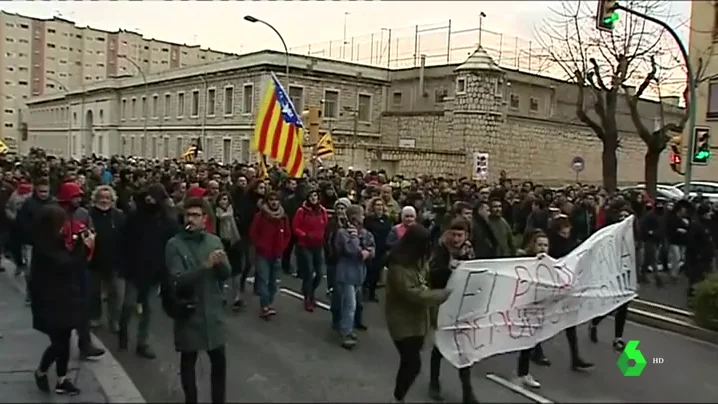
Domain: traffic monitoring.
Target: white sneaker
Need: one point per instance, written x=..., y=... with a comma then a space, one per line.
x=529, y=381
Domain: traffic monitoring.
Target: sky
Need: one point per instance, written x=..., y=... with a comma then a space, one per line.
x=220, y=25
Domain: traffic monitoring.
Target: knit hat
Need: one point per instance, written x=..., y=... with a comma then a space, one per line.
x=68, y=191
x=343, y=201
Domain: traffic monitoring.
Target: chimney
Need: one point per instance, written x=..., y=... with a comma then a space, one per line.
x=422, y=68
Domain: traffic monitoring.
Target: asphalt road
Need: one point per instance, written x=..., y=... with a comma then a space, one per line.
x=296, y=358
x=293, y=358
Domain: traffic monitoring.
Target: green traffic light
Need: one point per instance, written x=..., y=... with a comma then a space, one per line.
x=611, y=19
x=703, y=155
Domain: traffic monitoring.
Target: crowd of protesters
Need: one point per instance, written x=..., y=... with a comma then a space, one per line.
x=119, y=230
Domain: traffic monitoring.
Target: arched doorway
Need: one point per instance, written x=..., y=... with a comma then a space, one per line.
x=89, y=135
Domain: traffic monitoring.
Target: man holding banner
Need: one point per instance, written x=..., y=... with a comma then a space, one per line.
x=506, y=305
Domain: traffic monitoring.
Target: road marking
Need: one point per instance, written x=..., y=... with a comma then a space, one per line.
x=296, y=295
x=667, y=309
x=497, y=379
x=663, y=318
x=518, y=389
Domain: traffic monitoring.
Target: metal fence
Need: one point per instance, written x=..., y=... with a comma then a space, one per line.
x=442, y=43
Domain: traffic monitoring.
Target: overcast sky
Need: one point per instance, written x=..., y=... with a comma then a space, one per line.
x=220, y=25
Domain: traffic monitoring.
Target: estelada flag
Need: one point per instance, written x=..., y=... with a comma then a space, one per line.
x=278, y=130
x=325, y=146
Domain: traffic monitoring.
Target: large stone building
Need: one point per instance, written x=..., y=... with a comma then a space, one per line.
x=411, y=121
x=40, y=56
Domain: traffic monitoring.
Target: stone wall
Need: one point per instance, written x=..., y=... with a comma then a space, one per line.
x=527, y=148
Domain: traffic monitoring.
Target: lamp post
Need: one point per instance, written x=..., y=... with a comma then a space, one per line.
x=145, y=104
x=69, y=114
x=281, y=38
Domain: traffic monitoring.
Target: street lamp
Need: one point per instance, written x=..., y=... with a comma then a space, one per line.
x=69, y=114
x=286, y=50
x=145, y=105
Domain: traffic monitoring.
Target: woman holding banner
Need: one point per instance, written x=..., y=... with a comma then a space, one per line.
x=537, y=247
x=453, y=247
x=408, y=300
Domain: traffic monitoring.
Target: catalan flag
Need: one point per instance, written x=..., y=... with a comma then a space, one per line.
x=278, y=130
x=262, y=172
x=325, y=146
x=190, y=154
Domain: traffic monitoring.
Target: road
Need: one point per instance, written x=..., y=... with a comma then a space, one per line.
x=671, y=294
x=296, y=358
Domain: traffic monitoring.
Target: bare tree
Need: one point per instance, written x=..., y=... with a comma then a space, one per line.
x=602, y=65
x=657, y=139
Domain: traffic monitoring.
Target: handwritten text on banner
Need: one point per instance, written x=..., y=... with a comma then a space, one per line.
x=505, y=305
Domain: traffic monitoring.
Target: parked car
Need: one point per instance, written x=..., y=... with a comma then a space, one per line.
x=665, y=192
x=706, y=189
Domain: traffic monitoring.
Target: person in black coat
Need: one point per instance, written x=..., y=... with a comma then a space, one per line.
x=482, y=238
x=453, y=246
x=699, y=248
x=561, y=243
x=107, y=258
x=146, y=233
x=58, y=300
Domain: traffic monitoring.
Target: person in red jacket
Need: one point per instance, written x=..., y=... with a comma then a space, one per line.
x=309, y=225
x=269, y=233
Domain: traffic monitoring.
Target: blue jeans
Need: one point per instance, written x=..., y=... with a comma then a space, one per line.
x=311, y=269
x=347, y=308
x=266, y=279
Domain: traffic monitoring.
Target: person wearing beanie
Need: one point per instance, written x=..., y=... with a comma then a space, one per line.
x=337, y=221
x=69, y=196
x=147, y=231
x=309, y=226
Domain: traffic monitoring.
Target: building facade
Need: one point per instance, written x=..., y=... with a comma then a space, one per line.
x=42, y=56
x=703, y=52
x=411, y=121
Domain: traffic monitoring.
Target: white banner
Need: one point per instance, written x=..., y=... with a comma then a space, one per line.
x=505, y=305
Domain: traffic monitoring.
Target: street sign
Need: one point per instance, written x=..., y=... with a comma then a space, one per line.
x=577, y=164
x=480, y=166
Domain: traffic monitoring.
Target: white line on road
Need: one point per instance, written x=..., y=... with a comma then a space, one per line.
x=518, y=389
x=496, y=379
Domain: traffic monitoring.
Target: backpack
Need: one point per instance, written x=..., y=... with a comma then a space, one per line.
x=177, y=304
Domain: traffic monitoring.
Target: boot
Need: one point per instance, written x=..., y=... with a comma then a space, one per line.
x=435, y=391
x=144, y=351
x=122, y=339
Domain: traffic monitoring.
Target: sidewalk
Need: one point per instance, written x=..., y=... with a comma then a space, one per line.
x=102, y=381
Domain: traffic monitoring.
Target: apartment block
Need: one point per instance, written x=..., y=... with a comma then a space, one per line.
x=42, y=56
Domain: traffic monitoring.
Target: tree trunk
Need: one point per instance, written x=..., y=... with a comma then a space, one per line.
x=610, y=164
x=650, y=167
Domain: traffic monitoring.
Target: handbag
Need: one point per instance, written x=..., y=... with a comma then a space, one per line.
x=179, y=303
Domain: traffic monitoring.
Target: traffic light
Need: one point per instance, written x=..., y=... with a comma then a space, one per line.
x=674, y=156
x=701, y=146
x=606, y=15
x=313, y=119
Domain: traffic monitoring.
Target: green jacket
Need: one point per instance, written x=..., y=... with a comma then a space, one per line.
x=408, y=300
x=186, y=254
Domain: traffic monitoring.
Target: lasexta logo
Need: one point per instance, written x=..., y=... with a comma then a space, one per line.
x=631, y=353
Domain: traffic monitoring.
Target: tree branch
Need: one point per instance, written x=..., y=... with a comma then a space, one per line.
x=581, y=109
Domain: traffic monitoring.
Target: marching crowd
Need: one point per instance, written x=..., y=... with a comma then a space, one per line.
x=122, y=230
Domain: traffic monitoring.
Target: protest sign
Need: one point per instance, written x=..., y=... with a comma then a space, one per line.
x=505, y=305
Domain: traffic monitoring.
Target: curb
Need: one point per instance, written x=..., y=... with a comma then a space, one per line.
x=110, y=375
x=670, y=319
